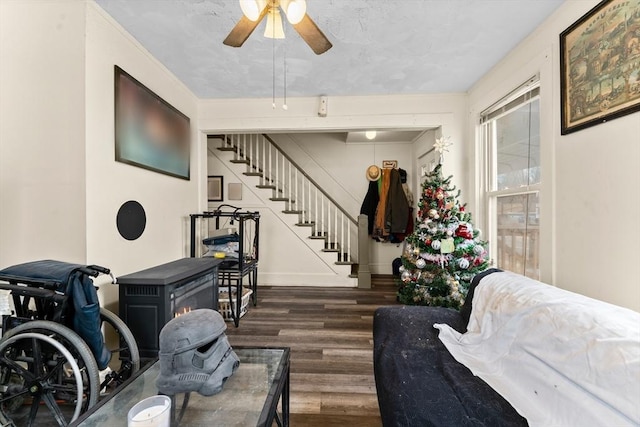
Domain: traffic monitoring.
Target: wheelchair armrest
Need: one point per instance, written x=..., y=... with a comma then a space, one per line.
x=99, y=269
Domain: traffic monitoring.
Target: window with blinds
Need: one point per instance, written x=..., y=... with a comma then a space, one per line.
x=510, y=134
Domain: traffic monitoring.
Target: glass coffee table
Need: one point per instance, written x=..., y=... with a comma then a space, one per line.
x=249, y=397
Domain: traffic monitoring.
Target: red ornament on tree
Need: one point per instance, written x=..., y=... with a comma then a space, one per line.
x=463, y=231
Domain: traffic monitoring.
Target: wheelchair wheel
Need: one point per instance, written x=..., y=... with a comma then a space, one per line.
x=35, y=372
x=125, y=358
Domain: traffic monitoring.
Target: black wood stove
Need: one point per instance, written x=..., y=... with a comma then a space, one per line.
x=152, y=297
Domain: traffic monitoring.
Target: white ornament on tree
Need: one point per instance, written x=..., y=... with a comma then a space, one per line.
x=420, y=263
x=463, y=263
x=436, y=245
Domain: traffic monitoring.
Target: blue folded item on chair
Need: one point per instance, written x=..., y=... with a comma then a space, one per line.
x=221, y=240
x=79, y=287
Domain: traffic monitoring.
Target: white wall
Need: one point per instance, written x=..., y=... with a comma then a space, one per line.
x=42, y=131
x=167, y=200
x=590, y=198
x=60, y=187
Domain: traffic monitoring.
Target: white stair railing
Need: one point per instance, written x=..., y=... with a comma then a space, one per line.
x=301, y=194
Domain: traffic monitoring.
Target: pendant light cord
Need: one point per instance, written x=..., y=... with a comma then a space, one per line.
x=284, y=106
x=273, y=70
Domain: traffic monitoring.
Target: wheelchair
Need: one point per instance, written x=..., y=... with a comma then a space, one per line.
x=60, y=352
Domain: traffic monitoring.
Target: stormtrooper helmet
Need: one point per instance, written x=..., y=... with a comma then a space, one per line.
x=195, y=354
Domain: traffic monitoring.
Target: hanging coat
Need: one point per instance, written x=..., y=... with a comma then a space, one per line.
x=379, y=229
x=370, y=204
x=397, y=206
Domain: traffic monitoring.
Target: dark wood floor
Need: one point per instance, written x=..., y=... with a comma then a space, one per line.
x=329, y=331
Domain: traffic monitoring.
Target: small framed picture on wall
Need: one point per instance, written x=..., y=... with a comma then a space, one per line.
x=215, y=188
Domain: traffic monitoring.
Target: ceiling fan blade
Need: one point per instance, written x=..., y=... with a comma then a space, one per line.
x=311, y=34
x=243, y=29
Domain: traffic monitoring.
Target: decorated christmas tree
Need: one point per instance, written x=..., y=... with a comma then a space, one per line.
x=445, y=251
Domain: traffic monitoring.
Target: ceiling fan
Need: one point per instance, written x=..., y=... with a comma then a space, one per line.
x=254, y=12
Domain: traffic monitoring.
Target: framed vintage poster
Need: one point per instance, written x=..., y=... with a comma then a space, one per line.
x=215, y=190
x=149, y=132
x=600, y=65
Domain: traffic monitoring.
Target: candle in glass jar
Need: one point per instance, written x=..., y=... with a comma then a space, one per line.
x=153, y=411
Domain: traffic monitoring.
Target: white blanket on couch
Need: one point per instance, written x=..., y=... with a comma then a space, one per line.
x=559, y=358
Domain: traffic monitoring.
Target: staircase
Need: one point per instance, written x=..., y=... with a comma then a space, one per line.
x=307, y=209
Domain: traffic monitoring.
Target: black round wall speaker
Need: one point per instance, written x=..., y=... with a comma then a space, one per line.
x=131, y=220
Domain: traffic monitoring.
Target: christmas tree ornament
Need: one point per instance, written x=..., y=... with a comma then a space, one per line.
x=436, y=245
x=442, y=144
x=447, y=246
x=463, y=263
x=433, y=213
x=401, y=269
x=406, y=276
x=478, y=249
x=421, y=263
x=463, y=232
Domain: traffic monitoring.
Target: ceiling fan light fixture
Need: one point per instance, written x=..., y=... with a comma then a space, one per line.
x=274, y=28
x=370, y=134
x=252, y=8
x=294, y=9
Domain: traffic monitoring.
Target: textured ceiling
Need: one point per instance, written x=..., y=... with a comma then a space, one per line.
x=379, y=46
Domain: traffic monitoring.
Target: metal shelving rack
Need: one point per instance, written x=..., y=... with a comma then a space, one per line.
x=232, y=272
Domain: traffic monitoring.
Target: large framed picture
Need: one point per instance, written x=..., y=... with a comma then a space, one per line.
x=600, y=65
x=149, y=132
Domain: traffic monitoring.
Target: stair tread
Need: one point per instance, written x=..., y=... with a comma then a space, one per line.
x=305, y=224
x=227, y=148
x=281, y=199
x=240, y=161
x=330, y=250
x=292, y=212
x=344, y=263
x=252, y=173
x=271, y=187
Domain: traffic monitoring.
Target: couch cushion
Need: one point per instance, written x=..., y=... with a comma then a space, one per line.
x=417, y=380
